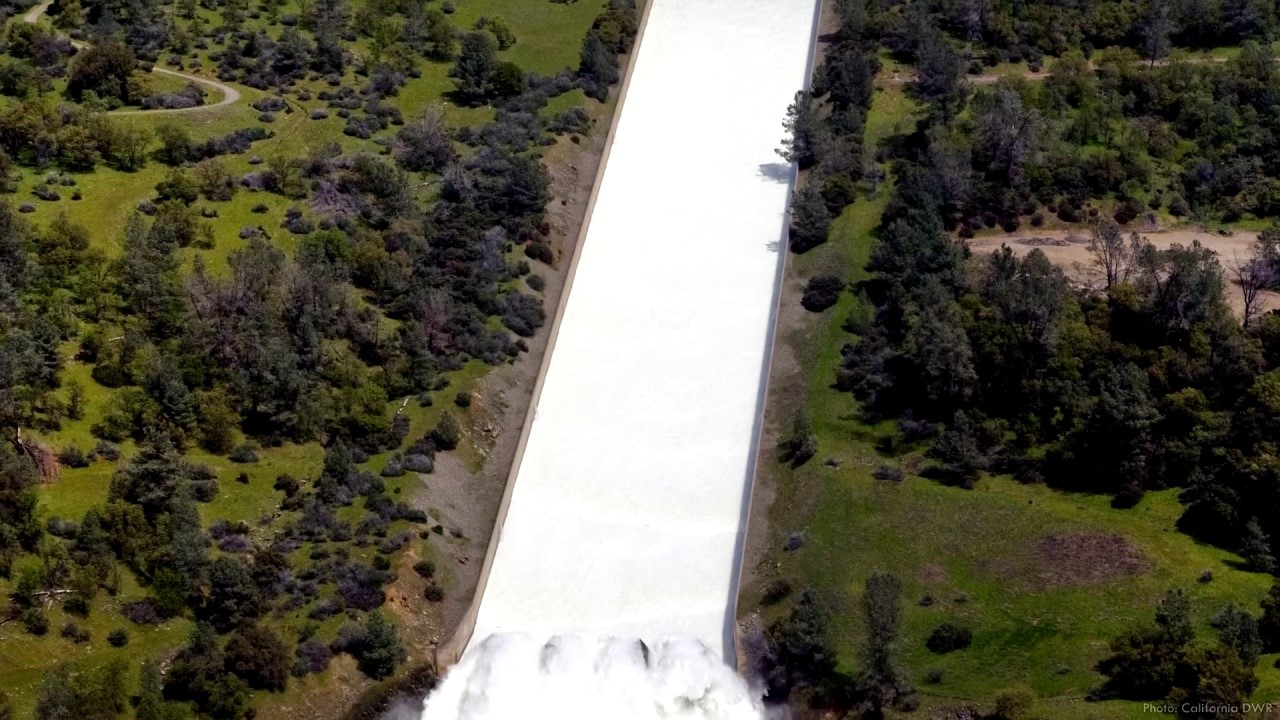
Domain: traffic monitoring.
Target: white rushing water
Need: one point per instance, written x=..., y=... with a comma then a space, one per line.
x=629, y=507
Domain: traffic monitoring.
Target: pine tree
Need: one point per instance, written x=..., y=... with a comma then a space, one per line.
x=1256, y=548
x=382, y=650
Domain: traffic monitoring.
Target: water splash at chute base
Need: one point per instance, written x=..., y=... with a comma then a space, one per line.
x=583, y=677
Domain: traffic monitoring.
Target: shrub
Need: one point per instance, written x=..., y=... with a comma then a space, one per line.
x=419, y=463
x=425, y=568
x=118, y=637
x=462, y=399
x=256, y=655
x=393, y=468
x=141, y=612
x=821, y=292
x=46, y=193
x=446, y=434
x=433, y=593
x=949, y=637
x=313, y=657
x=75, y=633
x=540, y=251
x=536, y=283
x=892, y=473
x=35, y=622
x=245, y=453
x=107, y=451
x=775, y=592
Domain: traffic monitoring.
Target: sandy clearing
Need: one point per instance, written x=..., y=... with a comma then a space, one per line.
x=1069, y=250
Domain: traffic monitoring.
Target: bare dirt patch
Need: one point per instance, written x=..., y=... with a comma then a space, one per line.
x=1073, y=560
x=1069, y=250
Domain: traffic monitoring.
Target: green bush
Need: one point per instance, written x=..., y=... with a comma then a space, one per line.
x=949, y=637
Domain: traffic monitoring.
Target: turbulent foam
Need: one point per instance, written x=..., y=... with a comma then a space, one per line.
x=582, y=677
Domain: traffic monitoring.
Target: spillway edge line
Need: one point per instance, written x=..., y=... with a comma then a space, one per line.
x=733, y=641
x=450, y=651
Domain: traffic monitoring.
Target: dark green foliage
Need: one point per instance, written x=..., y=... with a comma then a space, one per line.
x=446, y=434
x=473, y=71
x=597, y=66
x=949, y=637
x=198, y=675
x=104, y=69
x=257, y=655
x=821, y=292
x=802, y=444
x=381, y=650
x=68, y=693
x=118, y=637
x=805, y=131
x=1256, y=548
x=1238, y=630
x=880, y=678
x=810, y=219
x=801, y=655
x=234, y=598
x=425, y=569
x=1269, y=623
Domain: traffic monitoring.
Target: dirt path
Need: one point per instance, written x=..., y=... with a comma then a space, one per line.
x=229, y=94
x=34, y=14
x=903, y=78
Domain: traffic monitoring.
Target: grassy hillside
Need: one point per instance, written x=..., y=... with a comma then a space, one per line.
x=1044, y=578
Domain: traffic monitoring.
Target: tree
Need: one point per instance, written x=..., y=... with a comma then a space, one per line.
x=810, y=219
x=1269, y=624
x=1156, y=28
x=501, y=32
x=96, y=694
x=1173, y=617
x=382, y=650
x=104, y=69
x=151, y=703
x=1111, y=253
x=473, y=71
x=424, y=145
x=234, y=599
x=801, y=655
x=198, y=675
x=1114, y=445
x=1145, y=661
x=940, y=74
x=258, y=656
x=1238, y=630
x=1256, y=548
x=804, y=131
x=880, y=679
x=1215, y=677
x=597, y=66
x=1253, y=275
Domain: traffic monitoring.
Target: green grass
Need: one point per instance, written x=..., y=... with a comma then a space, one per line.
x=973, y=552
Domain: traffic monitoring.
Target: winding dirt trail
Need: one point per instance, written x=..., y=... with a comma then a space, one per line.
x=229, y=94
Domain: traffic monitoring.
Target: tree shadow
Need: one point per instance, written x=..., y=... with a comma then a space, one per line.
x=777, y=172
